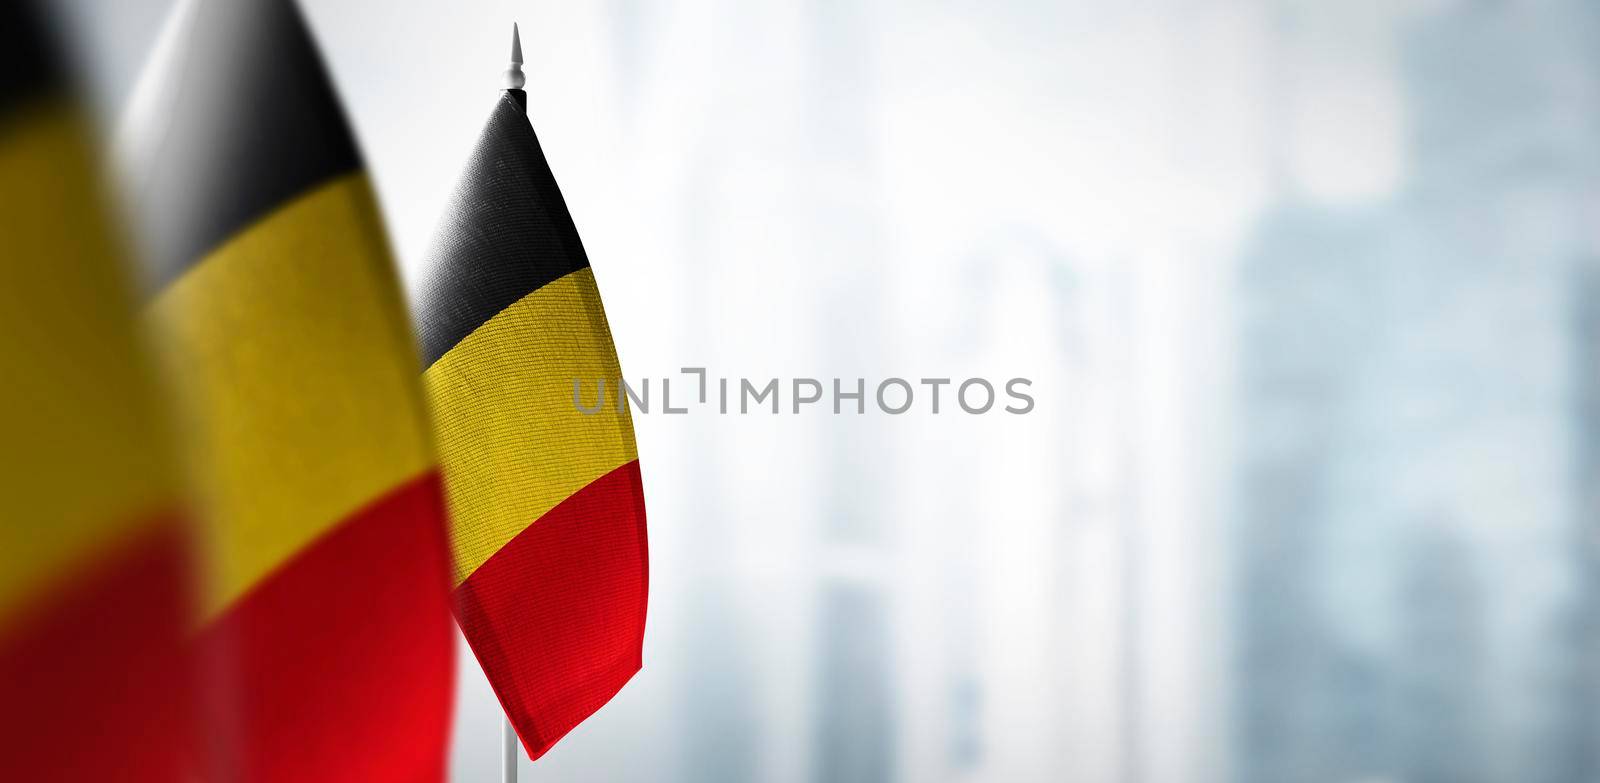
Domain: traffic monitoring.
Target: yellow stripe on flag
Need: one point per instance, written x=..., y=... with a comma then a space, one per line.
x=290, y=346
x=82, y=445
x=511, y=443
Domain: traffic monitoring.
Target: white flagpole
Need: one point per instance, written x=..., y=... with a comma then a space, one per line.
x=509, y=744
x=508, y=751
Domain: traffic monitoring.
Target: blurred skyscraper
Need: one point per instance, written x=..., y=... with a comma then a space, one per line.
x=1305, y=691
x=1414, y=459
x=855, y=727
x=1579, y=681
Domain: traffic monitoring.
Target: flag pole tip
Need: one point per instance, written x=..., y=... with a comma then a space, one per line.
x=514, y=78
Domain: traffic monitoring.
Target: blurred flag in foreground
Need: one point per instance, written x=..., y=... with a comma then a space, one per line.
x=94, y=599
x=547, y=511
x=326, y=641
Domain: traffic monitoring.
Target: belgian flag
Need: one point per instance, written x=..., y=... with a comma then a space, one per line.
x=546, y=506
x=325, y=634
x=94, y=557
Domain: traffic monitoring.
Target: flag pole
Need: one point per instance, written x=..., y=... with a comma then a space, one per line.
x=513, y=76
x=514, y=80
x=508, y=751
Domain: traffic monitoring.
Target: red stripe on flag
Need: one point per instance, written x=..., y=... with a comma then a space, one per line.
x=94, y=683
x=338, y=667
x=556, y=616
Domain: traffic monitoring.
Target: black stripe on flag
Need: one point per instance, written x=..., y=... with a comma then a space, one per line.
x=255, y=124
x=506, y=234
x=30, y=65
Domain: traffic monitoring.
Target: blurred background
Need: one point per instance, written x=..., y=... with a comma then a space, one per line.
x=1310, y=294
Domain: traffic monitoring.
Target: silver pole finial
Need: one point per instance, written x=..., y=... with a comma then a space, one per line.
x=514, y=79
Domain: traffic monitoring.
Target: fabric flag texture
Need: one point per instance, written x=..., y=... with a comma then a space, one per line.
x=326, y=639
x=546, y=505
x=94, y=569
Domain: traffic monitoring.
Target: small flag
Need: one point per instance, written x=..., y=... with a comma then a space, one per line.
x=546, y=505
x=94, y=569
x=326, y=636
